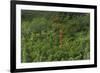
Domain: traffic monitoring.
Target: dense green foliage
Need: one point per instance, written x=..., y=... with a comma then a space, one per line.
x=54, y=36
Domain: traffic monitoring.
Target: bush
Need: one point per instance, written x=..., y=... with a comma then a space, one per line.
x=54, y=36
